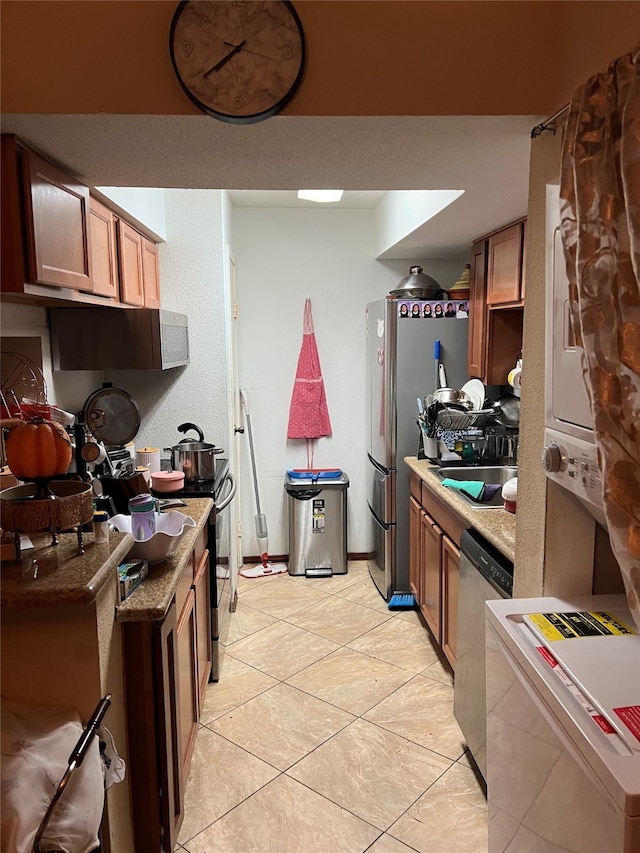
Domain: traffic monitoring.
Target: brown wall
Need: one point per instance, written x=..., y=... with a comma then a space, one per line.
x=365, y=58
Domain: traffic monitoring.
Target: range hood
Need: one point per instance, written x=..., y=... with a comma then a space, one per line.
x=118, y=338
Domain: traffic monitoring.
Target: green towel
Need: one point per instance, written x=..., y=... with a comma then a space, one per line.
x=471, y=487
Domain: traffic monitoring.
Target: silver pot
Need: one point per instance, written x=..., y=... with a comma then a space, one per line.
x=418, y=285
x=195, y=458
x=448, y=396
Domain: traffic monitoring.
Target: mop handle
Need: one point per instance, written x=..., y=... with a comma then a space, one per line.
x=245, y=403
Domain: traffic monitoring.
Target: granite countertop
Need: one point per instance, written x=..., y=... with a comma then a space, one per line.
x=57, y=576
x=496, y=525
x=151, y=600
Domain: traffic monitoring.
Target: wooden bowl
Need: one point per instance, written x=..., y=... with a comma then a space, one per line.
x=70, y=505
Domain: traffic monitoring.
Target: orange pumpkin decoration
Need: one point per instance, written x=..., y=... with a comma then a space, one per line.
x=38, y=449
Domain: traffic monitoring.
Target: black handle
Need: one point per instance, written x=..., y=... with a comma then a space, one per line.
x=186, y=427
x=83, y=744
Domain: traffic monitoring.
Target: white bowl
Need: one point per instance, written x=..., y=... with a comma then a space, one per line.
x=170, y=527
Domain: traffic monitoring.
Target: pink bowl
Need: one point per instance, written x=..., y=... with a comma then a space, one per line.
x=167, y=481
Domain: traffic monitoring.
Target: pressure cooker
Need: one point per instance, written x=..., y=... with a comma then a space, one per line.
x=195, y=458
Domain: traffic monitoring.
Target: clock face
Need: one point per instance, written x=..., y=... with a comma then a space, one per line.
x=238, y=60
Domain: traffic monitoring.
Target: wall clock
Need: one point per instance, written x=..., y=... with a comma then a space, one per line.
x=239, y=61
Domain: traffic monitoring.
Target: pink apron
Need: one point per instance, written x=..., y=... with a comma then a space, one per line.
x=308, y=413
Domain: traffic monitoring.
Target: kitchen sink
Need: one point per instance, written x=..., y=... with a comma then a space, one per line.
x=491, y=474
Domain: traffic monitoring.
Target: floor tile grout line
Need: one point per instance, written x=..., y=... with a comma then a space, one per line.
x=412, y=673
x=342, y=728
x=286, y=620
x=411, y=676
x=243, y=800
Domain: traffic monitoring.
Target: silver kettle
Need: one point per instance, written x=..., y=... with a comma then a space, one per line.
x=418, y=285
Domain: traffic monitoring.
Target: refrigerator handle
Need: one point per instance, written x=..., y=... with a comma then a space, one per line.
x=378, y=466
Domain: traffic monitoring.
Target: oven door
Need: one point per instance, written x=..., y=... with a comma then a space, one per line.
x=223, y=549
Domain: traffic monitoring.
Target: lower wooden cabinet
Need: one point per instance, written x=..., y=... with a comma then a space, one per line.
x=431, y=604
x=434, y=561
x=203, y=625
x=415, y=551
x=450, y=576
x=167, y=666
x=187, y=681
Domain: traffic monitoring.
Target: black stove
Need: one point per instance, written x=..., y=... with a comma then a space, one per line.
x=204, y=488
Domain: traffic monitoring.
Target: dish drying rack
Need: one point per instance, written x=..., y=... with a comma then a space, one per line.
x=457, y=419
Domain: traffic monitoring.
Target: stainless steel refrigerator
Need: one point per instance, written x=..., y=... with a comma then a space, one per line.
x=400, y=368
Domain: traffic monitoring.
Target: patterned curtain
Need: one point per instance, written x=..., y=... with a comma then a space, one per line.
x=600, y=210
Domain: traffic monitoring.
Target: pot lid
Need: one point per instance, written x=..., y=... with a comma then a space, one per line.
x=417, y=285
x=111, y=416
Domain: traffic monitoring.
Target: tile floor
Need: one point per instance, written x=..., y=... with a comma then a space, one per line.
x=331, y=730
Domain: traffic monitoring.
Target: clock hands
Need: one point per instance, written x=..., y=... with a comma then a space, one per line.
x=254, y=52
x=236, y=49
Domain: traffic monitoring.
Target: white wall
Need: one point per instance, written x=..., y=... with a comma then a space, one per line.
x=192, y=282
x=68, y=390
x=146, y=204
x=283, y=256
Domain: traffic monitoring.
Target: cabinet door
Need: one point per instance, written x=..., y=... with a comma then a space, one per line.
x=57, y=232
x=431, y=581
x=187, y=681
x=415, y=550
x=477, y=310
x=104, y=267
x=130, y=264
x=450, y=578
x=504, y=343
x=151, y=274
x=203, y=626
x=154, y=765
x=505, y=266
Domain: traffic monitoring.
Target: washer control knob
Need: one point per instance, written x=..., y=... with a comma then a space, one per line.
x=552, y=458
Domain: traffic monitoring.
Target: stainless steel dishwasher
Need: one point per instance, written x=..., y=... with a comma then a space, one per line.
x=485, y=575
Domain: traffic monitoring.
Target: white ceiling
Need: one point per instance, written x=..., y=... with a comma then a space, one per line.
x=351, y=199
x=263, y=164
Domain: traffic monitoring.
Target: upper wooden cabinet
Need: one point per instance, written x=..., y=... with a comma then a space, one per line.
x=46, y=236
x=505, y=266
x=104, y=260
x=59, y=243
x=496, y=301
x=151, y=274
x=138, y=267
x=130, y=264
x=477, y=309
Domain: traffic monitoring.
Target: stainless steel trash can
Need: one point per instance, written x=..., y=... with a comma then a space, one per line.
x=317, y=525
